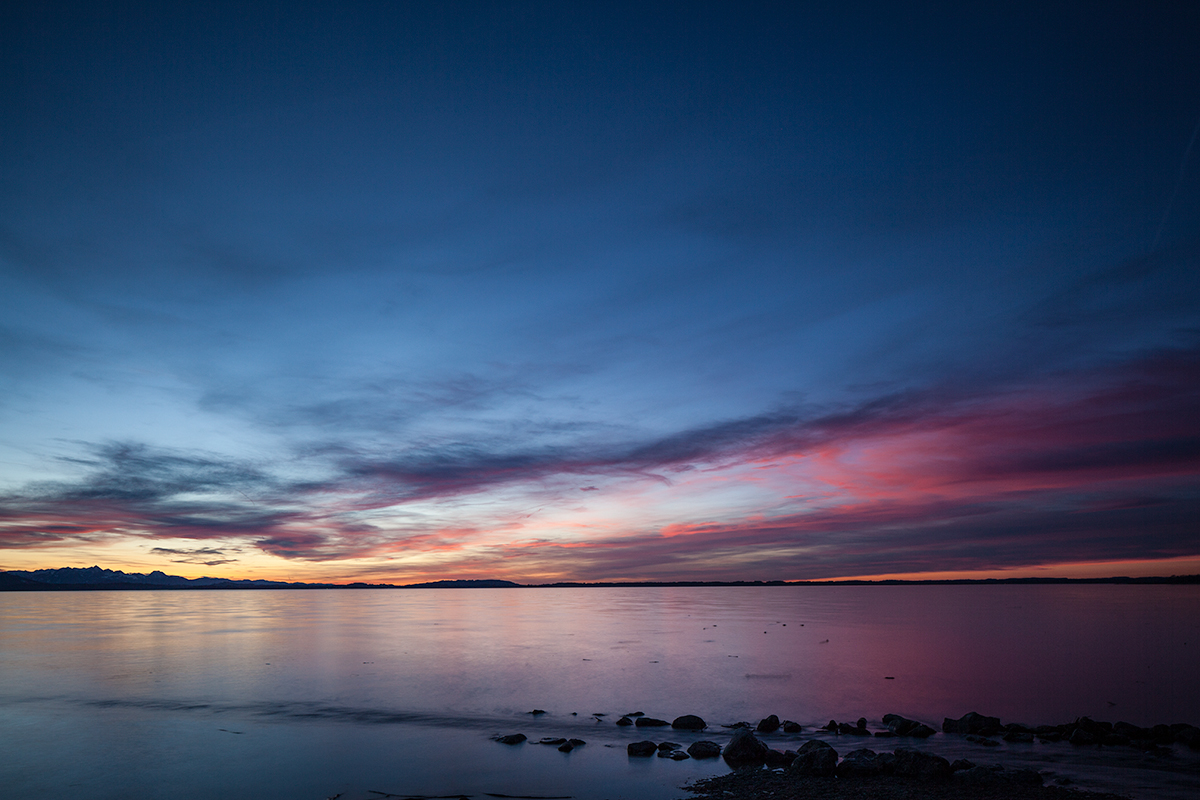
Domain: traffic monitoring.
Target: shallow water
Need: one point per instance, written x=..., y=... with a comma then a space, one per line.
x=304, y=694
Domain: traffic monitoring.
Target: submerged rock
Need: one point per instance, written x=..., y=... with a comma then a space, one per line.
x=512, y=738
x=704, y=749
x=642, y=749
x=651, y=722
x=689, y=722
x=791, y=727
x=623, y=721
x=768, y=725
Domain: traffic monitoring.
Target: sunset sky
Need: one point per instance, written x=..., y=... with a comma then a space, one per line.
x=621, y=291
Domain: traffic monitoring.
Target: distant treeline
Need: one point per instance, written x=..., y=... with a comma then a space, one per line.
x=96, y=578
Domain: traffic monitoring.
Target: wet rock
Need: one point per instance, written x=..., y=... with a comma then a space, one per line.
x=577, y=742
x=815, y=759
x=675, y=755
x=512, y=738
x=1082, y=737
x=537, y=712
x=552, y=740
x=689, y=722
x=973, y=739
x=902, y=726
x=635, y=714
x=566, y=747
x=768, y=725
x=651, y=722
x=959, y=764
x=972, y=722
x=860, y=764
x=642, y=749
x=847, y=729
x=831, y=726
x=774, y=758
x=791, y=727
x=744, y=749
x=623, y=721
x=668, y=746
x=704, y=749
x=920, y=765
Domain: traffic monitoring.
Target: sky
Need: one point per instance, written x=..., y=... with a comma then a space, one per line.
x=396, y=292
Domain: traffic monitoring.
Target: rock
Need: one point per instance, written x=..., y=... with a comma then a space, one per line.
x=768, y=725
x=860, y=764
x=960, y=764
x=668, y=746
x=689, y=722
x=1132, y=731
x=1019, y=736
x=566, y=747
x=624, y=721
x=635, y=714
x=1082, y=737
x=972, y=723
x=997, y=775
x=676, y=755
x=815, y=759
x=831, y=726
x=973, y=739
x=512, y=738
x=791, y=727
x=537, y=712
x=1188, y=735
x=552, y=740
x=774, y=758
x=744, y=749
x=642, y=749
x=651, y=722
x=577, y=742
x=1115, y=740
x=906, y=727
x=920, y=765
x=704, y=749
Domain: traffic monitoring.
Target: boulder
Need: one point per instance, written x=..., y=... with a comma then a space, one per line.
x=704, y=749
x=512, y=738
x=972, y=723
x=577, y=742
x=860, y=764
x=675, y=755
x=973, y=739
x=554, y=740
x=920, y=765
x=1021, y=736
x=642, y=749
x=1082, y=737
x=815, y=759
x=768, y=725
x=689, y=722
x=774, y=758
x=791, y=727
x=959, y=764
x=902, y=726
x=651, y=722
x=566, y=747
x=668, y=746
x=623, y=721
x=744, y=749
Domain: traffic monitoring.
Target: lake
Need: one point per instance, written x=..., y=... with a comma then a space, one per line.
x=303, y=694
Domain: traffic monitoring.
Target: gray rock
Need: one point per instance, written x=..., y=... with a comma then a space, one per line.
x=512, y=738
x=815, y=759
x=651, y=722
x=860, y=764
x=642, y=749
x=972, y=723
x=704, y=749
x=768, y=725
x=689, y=722
x=774, y=758
x=744, y=749
x=920, y=765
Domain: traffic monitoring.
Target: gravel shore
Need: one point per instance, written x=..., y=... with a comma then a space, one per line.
x=761, y=784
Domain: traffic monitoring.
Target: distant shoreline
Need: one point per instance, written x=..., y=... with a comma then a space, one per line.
x=97, y=579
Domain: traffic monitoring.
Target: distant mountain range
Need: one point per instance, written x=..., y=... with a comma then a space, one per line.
x=67, y=578
x=75, y=578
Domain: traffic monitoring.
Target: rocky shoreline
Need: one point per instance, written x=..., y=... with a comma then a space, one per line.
x=816, y=769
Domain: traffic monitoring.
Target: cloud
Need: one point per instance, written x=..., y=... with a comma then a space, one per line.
x=1096, y=464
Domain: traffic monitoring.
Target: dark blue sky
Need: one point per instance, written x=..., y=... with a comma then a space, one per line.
x=628, y=291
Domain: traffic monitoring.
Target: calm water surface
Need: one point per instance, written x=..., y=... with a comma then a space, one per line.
x=305, y=694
